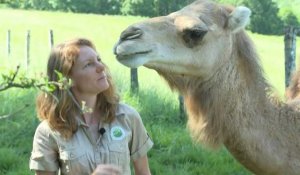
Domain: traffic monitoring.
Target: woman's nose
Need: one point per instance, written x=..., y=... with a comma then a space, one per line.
x=100, y=67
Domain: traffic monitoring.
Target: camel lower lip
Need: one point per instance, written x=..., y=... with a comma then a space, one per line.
x=129, y=56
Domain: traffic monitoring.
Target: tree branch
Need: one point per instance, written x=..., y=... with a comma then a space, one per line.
x=12, y=114
x=14, y=80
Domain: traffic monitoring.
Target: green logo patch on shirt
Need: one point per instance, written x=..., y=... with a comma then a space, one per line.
x=117, y=133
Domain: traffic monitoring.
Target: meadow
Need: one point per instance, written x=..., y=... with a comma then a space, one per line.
x=173, y=153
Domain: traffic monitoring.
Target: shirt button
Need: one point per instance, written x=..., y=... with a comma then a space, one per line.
x=97, y=149
x=72, y=155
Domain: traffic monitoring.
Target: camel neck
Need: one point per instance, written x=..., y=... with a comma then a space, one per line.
x=235, y=110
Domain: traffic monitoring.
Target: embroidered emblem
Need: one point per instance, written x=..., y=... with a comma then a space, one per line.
x=117, y=133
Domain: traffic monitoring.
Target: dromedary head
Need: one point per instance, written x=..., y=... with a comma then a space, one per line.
x=204, y=52
x=189, y=42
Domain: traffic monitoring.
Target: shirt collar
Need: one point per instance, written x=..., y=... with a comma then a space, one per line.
x=80, y=121
x=120, y=111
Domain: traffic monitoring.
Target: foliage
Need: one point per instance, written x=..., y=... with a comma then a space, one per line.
x=107, y=6
x=13, y=79
x=289, y=6
x=8, y=159
x=264, y=18
x=18, y=4
x=232, y=2
x=164, y=7
x=290, y=19
x=83, y=6
x=4, y=1
x=125, y=7
x=16, y=131
x=137, y=7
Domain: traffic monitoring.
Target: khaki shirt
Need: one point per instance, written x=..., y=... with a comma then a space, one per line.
x=124, y=139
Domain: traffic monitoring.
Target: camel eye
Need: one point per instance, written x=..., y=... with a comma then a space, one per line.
x=193, y=36
x=197, y=34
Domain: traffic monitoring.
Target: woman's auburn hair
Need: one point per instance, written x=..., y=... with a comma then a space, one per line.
x=59, y=108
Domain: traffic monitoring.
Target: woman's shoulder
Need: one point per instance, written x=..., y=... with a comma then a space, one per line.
x=45, y=129
x=43, y=126
x=127, y=111
x=124, y=108
x=128, y=115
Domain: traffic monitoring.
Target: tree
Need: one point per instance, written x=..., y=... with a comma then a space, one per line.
x=13, y=79
x=151, y=7
x=137, y=7
x=164, y=7
x=290, y=19
x=264, y=18
x=107, y=6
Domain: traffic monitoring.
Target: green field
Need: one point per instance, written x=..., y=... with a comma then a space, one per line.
x=174, y=152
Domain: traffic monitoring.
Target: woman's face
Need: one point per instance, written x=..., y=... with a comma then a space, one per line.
x=87, y=74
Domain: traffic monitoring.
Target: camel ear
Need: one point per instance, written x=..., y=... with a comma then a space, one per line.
x=238, y=18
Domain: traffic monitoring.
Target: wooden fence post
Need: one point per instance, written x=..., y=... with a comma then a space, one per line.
x=134, y=83
x=27, y=51
x=290, y=52
x=181, y=107
x=51, y=38
x=8, y=43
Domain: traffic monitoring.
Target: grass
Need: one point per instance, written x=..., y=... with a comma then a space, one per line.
x=173, y=153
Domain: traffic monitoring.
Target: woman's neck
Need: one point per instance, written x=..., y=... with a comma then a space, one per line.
x=86, y=101
x=87, y=104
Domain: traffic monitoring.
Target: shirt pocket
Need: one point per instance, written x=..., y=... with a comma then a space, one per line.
x=74, y=161
x=119, y=153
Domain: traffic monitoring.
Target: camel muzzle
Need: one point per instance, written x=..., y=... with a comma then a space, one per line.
x=131, y=33
x=128, y=34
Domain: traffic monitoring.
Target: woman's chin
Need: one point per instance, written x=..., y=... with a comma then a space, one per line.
x=103, y=87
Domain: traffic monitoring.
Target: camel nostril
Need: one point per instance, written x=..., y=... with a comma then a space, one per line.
x=131, y=33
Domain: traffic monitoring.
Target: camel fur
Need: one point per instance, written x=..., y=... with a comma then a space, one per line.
x=292, y=92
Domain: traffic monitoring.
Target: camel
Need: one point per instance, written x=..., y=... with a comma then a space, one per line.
x=204, y=53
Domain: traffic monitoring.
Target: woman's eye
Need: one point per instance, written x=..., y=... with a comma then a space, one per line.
x=87, y=65
x=98, y=59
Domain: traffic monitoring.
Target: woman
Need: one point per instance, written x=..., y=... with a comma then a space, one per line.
x=84, y=128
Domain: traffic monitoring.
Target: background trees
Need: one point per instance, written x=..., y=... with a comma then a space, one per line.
x=264, y=18
x=268, y=16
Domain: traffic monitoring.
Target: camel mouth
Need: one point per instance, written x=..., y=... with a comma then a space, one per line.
x=121, y=56
x=133, y=59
